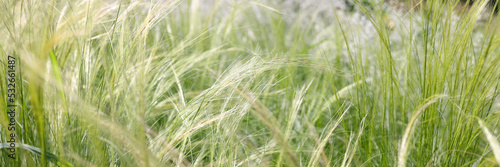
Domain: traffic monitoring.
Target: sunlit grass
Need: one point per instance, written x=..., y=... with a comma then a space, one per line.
x=252, y=83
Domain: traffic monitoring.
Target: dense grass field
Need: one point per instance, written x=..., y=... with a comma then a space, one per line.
x=249, y=83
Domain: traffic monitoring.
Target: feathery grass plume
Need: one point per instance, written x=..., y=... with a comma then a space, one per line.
x=492, y=140
x=250, y=82
x=407, y=136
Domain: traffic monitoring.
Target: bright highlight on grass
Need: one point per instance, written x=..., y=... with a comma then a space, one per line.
x=250, y=83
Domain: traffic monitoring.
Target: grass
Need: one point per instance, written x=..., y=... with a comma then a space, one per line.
x=251, y=83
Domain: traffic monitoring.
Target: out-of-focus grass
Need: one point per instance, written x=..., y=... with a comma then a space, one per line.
x=251, y=83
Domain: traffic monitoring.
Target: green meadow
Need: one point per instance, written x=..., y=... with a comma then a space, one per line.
x=249, y=83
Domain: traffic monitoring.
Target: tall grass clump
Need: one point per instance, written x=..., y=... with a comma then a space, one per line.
x=251, y=83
